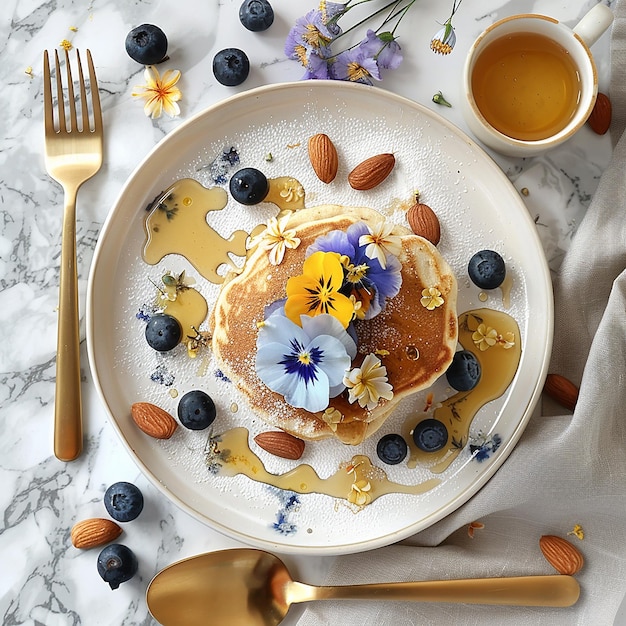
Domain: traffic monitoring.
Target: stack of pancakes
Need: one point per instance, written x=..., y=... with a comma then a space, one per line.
x=414, y=344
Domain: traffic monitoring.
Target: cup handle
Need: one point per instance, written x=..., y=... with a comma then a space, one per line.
x=594, y=24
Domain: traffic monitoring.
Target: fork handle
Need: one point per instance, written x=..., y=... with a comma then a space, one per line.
x=68, y=426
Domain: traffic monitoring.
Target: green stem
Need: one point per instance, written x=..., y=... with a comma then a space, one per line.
x=393, y=3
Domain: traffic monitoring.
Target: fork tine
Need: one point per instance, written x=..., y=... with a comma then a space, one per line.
x=83, y=95
x=70, y=92
x=47, y=96
x=95, y=95
x=60, y=99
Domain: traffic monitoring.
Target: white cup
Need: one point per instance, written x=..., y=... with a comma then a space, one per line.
x=507, y=121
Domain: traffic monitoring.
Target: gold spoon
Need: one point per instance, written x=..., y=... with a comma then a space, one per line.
x=250, y=587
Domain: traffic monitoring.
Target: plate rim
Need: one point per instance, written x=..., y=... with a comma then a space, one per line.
x=504, y=451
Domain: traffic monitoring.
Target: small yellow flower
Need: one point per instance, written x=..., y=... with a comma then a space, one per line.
x=292, y=191
x=484, y=337
x=368, y=384
x=359, y=311
x=508, y=341
x=200, y=340
x=66, y=45
x=359, y=493
x=159, y=93
x=277, y=239
x=381, y=242
x=332, y=417
x=431, y=298
x=578, y=531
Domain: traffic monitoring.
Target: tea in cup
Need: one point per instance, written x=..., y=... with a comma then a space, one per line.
x=531, y=82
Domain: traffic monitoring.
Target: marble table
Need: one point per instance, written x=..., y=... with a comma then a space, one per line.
x=44, y=579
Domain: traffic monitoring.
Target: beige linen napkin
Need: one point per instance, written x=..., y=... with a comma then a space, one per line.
x=566, y=469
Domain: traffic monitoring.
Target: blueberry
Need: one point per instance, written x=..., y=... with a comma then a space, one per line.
x=430, y=435
x=464, y=371
x=256, y=15
x=123, y=501
x=163, y=332
x=231, y=66
x=249, y=186
x=117, y=564
x=392, y=449
x=487, y=269
x=146, y=44
x=196, y=410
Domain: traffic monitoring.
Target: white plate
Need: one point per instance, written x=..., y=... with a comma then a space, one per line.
x=478, y=208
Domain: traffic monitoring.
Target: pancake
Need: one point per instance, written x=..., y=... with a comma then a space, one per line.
x=416, y=345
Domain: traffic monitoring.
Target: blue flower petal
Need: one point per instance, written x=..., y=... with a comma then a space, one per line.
x=334, y=361
x=302, y=364
x=328, y=325
x=277, y=327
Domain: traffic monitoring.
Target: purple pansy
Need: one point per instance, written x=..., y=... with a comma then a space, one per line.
x=361, y=272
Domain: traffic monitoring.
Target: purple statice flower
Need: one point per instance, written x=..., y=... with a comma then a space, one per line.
x=364, y=277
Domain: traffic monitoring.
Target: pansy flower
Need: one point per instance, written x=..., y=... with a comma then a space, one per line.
x=305, y=364
x=364, y=278
x=317, y=290
x=160, y=94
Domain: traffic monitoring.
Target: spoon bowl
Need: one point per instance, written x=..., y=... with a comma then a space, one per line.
x=251, y=587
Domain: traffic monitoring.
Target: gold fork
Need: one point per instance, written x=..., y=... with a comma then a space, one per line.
x=73, y=155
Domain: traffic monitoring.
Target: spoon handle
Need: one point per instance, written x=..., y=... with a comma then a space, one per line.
x=556, y=590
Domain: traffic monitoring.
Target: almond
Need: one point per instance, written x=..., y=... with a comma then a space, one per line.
x=323, y=157
x=371, y=172
x=281, y=444
x=424, y=222
x=153, y=420
x=93, y=532
x=600, y=118
x=561, y=554
x=562, y=390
